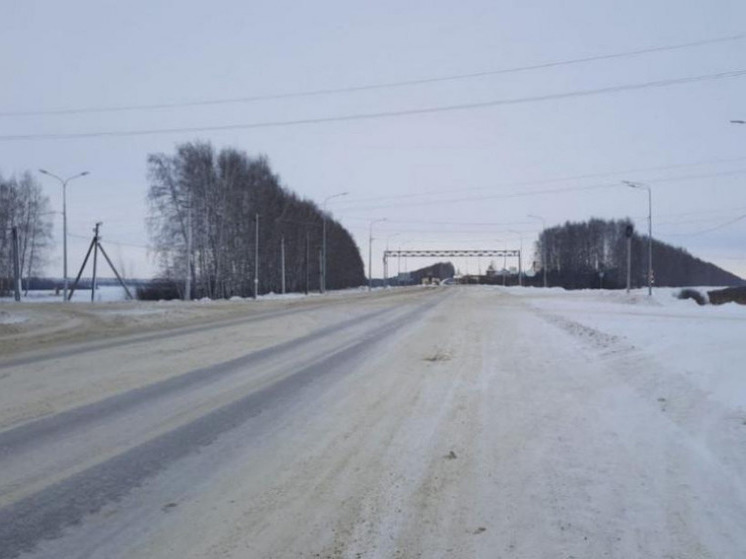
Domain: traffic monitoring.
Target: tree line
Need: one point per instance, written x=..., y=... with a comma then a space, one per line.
x=593, y=253
x=207, y=203
x=25, y=208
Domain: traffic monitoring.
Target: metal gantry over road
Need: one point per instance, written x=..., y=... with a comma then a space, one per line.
x=448, y=254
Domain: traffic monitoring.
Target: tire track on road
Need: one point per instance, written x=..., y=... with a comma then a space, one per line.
x=44, y=515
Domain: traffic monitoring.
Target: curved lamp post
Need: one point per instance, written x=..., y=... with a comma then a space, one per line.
x=370, y=252
x=323, y=239
x=64, y=182
x=641, y=186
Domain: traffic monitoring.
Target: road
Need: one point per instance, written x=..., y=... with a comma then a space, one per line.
x=449, y=422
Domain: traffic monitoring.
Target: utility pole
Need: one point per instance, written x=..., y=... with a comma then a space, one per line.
x=370, y=258
x=321, y=270
x=282, y=262
x=323, y=240
x=505, y=265
x=256, y=259
x=370, y=252
x=520, y=255
x=543, y=247
x=16, y=265
x=628, y=233
x=641, y=186
x=308, y=256
x=96, y=240
x=188, y=279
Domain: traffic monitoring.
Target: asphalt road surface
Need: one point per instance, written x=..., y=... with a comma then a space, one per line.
x=444, y=422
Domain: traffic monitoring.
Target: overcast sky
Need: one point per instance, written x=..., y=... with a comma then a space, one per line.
x=463, y=178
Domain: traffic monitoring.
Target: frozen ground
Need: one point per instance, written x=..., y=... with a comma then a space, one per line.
x=449, y=422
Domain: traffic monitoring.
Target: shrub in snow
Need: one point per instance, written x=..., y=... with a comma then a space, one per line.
x=692, y=294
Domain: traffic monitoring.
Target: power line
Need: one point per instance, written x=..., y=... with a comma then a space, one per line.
x=382, y=114
x=109, y=241
x=533, y=192
x=355, y=203
x=703, y=231
x=370, y=87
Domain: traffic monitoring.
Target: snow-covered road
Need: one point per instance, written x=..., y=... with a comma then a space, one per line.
x=453, y=422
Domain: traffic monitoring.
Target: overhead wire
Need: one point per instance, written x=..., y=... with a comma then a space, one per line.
x=373, y=86
x=708, y=230
x=378, y=114
x=356, y=201
x=529, y=193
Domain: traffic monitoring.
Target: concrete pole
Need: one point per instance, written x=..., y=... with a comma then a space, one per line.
x=629, y=263
x=543, y=246
x=650, y=242
x=370, y=252
x=256, y=258
x=188, y=278
x=95, y=257
x=307, y=261
x=520, y=255
x=282, y=262
x=16, y=265
x=370, y=258
x=64, y=241
x=650, y=230
x=322, y=263
x=323, y=240
x=505, y=264
x=321, y=270
x=64, y=182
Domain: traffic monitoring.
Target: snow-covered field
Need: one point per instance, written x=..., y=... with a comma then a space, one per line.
x=434, y=423
x=704, y=346
x=105, y=293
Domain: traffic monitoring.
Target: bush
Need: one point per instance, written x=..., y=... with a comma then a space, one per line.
x=159, y=289
x=729, y=295
x=692, y=294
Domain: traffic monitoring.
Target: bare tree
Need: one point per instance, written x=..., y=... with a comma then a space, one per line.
x=24, y=206
x=222, y=193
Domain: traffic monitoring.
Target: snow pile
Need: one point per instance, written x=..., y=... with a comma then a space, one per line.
x=12, y=318
x=698, y=346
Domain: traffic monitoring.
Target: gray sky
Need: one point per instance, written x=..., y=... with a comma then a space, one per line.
x=483, y=169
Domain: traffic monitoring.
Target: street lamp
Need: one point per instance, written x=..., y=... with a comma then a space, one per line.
x=520, y=255
x=64, y=221
x=323, y=239
x=398, y=263
x=641, y=186
x=543, y=247
x=370, y=252
x=385, y=261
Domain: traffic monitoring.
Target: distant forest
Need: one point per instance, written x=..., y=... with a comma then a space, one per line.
x=210, y=200
x=594, y=253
